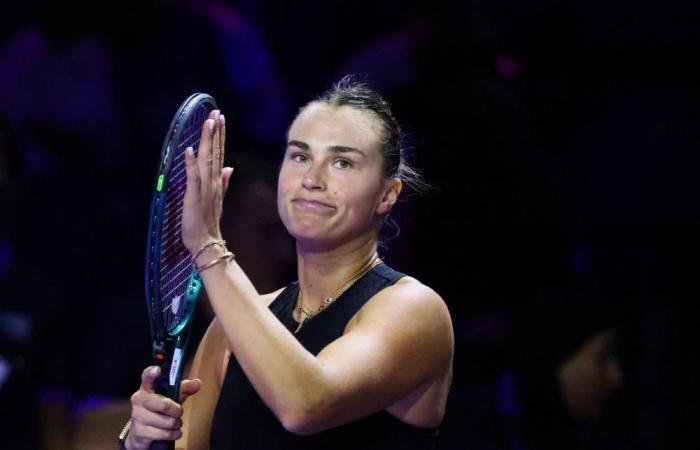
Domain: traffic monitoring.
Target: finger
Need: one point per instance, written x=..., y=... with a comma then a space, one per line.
x=225, y=179
x=144, y=433
x=189, y=388
x=216, y=150
x=148, y=378
x=222, y=134
x=153, y=419
x=193, y=180
x=160, y=404
x=205, y=154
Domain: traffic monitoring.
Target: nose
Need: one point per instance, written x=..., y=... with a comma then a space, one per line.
x=314, y=178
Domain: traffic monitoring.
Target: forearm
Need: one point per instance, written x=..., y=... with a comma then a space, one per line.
x=288, y=378
x=198, y=410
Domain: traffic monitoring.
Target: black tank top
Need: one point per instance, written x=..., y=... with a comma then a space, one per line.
x=242, y=421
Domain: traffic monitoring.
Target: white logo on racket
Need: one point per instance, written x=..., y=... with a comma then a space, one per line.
x=174, y=305
x=177, y=354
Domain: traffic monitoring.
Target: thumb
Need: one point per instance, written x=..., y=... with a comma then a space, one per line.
x=148, y=378
x=225, y=178
x=192, y=172
x=188, y=388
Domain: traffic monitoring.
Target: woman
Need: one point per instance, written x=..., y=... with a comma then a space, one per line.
x=354, y=354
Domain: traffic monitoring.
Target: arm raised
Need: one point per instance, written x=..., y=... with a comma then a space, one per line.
x=399, y=343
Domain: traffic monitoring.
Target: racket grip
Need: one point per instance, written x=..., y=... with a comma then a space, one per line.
x=169, y=356
x=161, y=384
x=162, y=387
x=162, y=445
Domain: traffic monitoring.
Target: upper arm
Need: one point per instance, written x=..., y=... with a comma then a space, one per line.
x=401, y=341
x=209, y=365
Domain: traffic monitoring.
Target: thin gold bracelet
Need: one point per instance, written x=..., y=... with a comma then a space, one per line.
x=225, y=257
x=220, y=243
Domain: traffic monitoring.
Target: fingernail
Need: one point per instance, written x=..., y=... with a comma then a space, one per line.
x=222, y=120
x=190, y=151
x=155, y=371
x=211, y=124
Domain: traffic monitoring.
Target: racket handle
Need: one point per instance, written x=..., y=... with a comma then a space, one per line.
x=162, y=387
x=169, y=356
x=161, y=383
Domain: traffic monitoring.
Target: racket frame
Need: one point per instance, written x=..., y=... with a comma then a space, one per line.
x=169, y=347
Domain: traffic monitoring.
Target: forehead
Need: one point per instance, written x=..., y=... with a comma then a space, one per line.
x=321, y=124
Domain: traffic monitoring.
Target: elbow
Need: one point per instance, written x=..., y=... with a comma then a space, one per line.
x=308, y=410
x=303, y=421
x=298, y=427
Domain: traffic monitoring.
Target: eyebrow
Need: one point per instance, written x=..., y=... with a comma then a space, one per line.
x=332, y=148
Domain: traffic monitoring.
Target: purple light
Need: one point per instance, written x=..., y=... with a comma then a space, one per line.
x=507, y=67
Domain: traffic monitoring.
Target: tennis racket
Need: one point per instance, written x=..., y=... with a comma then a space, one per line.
x=172, y=286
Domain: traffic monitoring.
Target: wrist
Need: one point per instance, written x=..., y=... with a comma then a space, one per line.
x=210, y=254
x=196, y=245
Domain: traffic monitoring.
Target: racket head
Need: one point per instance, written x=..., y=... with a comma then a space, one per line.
x=172, y=286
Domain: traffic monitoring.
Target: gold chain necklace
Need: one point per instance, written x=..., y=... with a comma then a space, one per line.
x=305, y=315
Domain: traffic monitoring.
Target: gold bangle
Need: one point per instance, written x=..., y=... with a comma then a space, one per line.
x=225, y=257
x=220, y=243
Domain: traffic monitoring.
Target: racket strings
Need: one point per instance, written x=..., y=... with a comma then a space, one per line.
x=175, y=267
x=176, y=191
x=182, y=275
x=179, y=184
x=173, y=216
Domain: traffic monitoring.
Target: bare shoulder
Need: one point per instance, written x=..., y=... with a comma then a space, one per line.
x=409, y=289
x=411, y=309
x=409, y=298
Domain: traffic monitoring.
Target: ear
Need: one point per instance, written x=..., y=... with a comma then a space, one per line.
x=391, y=195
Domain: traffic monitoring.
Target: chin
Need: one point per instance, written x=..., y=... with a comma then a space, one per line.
x=308, y=233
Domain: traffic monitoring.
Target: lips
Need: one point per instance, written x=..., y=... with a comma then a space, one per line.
x=313, y=206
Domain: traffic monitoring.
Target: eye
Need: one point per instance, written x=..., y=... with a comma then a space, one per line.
x=342, y=164
x=299, y=157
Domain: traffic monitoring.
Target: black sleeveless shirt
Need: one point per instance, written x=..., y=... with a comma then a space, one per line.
x=242, y=421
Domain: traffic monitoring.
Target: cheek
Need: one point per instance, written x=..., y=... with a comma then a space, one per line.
x=363, y=190
x=361, y=200
x=281, y=203
x=282, y=190
x=285, y=182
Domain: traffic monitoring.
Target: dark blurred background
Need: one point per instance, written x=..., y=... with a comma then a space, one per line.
x=560, y=139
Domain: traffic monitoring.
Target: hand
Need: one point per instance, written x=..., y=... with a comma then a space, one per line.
x=154, y=416
x=207, y=182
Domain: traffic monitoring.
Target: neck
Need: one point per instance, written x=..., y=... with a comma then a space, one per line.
x=322, y=274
